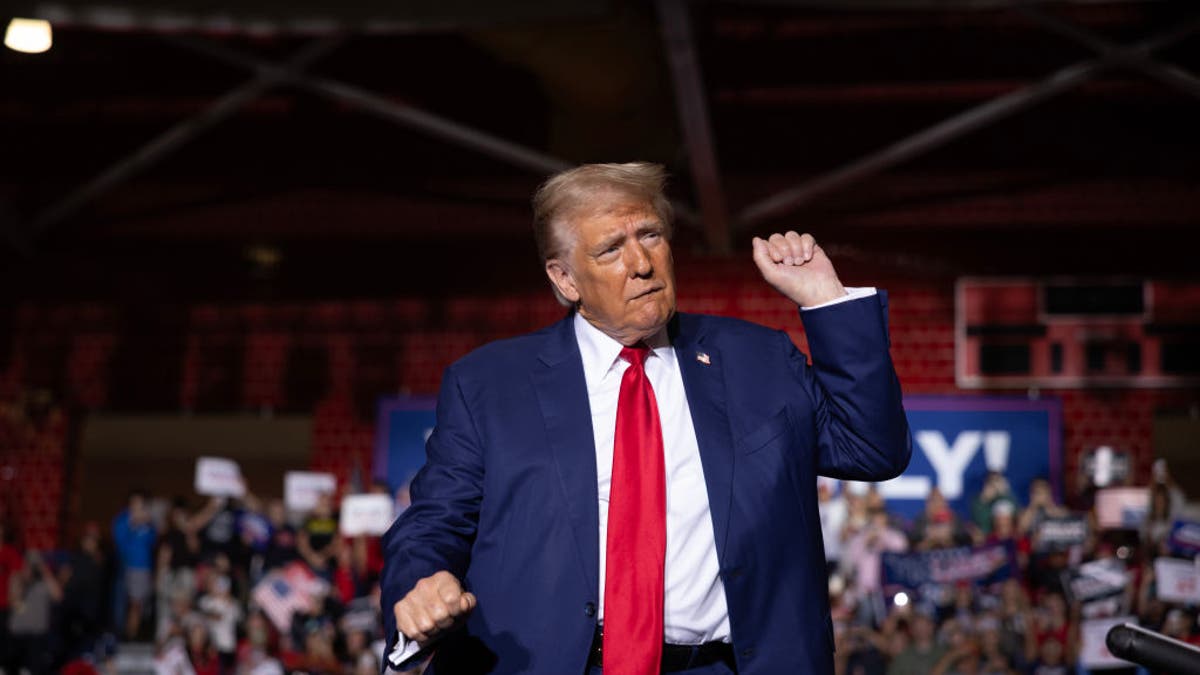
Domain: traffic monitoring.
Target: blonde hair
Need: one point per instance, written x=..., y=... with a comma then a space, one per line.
x=568, y=194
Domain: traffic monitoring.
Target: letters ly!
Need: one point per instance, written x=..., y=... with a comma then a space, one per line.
x=949, y=461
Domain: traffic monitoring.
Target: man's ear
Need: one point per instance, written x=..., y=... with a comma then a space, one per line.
x=560, y=276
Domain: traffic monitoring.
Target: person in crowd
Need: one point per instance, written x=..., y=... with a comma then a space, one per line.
x=318, y=541
x=995, y=660
x=82, y=609
x=33, y=592
x=937, y=526
x=200, y=651
x=221, y=537
x=995, y=491
x=1050, y=659
x=1015, y=622
x=223, y=614
x=11, y=562
x=133, y=536
x=923, y=652
x=258, y=652
x=1181, y=625
x=183, y=533
x=1161, y=516
x=281, y=549
x=1051, y=625
x=1041, y=506
x=864, y=552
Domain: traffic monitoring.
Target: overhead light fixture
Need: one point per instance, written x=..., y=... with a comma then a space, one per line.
x=32, y=36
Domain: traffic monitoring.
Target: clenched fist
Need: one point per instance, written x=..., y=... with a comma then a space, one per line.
x=796, y=267
x=435, y=605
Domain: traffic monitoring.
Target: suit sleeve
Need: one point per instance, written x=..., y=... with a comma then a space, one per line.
x=862, y=431
x=437, y=530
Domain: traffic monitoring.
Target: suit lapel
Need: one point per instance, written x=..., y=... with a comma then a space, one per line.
x=562, y=396
x=704, y=381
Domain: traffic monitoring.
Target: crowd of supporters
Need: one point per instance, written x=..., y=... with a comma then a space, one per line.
x=235, y=586
x=243, y=586
x=1029, y=620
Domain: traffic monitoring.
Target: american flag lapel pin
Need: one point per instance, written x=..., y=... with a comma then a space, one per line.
x=703, y=358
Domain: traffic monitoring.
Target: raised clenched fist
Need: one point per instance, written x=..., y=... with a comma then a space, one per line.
x=796, y=267
x=435, y=605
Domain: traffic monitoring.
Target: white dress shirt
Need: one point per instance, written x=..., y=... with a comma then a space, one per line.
x=694, y=609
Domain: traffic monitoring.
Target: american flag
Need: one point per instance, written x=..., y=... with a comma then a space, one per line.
x=282, y=593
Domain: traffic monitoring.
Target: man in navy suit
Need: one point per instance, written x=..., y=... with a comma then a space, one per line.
x=500, y=563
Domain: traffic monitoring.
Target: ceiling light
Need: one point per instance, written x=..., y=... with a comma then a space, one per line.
x=31, y=36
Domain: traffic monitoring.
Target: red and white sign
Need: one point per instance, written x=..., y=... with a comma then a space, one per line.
x=1177, y=580
x=1093, y=652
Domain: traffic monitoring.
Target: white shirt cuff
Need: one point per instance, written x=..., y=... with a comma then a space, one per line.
x=851, y=294
x=404, y=650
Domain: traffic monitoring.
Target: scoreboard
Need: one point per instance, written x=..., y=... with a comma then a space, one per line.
x=1076, y=333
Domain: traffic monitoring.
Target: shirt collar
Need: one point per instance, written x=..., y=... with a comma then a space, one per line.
x=600, y=352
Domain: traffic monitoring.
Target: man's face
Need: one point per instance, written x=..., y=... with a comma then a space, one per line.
x=619, y=270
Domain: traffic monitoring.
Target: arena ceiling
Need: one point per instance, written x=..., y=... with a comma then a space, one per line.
x=170, y=139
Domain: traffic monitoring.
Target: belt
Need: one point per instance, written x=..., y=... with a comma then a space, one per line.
x=675, y=658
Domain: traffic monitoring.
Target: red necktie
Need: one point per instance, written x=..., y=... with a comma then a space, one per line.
x=637, y=529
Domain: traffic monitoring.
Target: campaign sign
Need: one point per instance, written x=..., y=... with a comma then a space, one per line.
x=302, y=489
x=1177, y=580
x=405, y=423
x=958, y=439
x=1096, y=579
x=219, y=477
x=987, y=564
x=1093, y=650
x=1060, y=534
x=1184, y=540
x=366, y=514
x=1122, y=507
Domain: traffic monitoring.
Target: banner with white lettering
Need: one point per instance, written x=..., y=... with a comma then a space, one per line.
x=987, y=564
x=1093, y=651
x=1060, y=534
x=302, y=489
x=1096, y=579
x=219, y=477
x=1177, y=580
x=1184, y=540
x=1122, y=507
x=365, y=514
x=958, y=439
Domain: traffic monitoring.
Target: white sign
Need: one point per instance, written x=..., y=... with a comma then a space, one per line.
x=1177, y=580
x=1122, y=507
x=302, y=489
x=219, y=477
x=1093, y=652
x=366, y=514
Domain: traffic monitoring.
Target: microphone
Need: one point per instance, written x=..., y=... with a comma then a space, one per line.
x=1152, y=650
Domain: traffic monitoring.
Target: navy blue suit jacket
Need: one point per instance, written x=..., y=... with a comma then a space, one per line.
x=507, y=499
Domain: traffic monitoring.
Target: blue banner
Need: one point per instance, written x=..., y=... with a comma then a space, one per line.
x=1184, y=540
x=405, y=422
x=983, y=565
x=957, y=439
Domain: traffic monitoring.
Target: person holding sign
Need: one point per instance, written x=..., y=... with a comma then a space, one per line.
x=634, y=488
